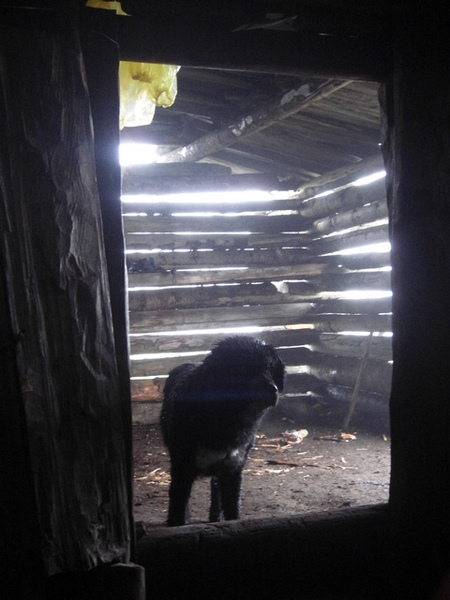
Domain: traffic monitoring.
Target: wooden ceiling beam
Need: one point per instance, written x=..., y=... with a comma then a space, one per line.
x=347, y=46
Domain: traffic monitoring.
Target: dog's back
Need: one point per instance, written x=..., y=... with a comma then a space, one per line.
x=219, y=402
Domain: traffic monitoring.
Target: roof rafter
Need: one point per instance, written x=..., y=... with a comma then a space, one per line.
x=276, y=109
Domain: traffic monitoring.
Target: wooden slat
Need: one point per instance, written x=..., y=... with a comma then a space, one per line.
x=354, y=307
x=319, y=276
x=373, y=405
x=376, y=377
x=363, y=261
x=267, y=257
x=216, y=317
x=163, y=184
x=238, y=295
x=231, y=275
x=204, y=342
x=147, y=172
x=159, y=204
x=357, y=216
x=358, y=280
x=340, y=177
x=349, y=197
x=214, y=224
x=353, y=346
x=329, y=369
x=211, y=240
x=362, y=237
x=195, y=241
x=287, y=315
x=272, y=257
x=199, y=203
x=301, y=243
x=343, y=345
x=335, y=323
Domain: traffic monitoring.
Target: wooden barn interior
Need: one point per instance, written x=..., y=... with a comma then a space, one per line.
x=300, y=97
x=299, y=266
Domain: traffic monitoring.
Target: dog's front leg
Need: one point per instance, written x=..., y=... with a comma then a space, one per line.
x=229, y=483
x=215, y=509
x=179, y=492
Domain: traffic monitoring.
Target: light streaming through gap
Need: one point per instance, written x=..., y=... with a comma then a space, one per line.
x=134, y=154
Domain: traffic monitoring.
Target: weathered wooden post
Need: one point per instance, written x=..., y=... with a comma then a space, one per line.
x=56, y=306
x=101, y=60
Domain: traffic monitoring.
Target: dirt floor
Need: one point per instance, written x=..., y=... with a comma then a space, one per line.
x=281, y=477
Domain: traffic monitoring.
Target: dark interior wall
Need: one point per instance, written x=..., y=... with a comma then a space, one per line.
x=417, y=148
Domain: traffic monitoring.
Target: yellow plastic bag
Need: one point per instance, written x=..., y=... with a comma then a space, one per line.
x=143, y=86
x=106, y=5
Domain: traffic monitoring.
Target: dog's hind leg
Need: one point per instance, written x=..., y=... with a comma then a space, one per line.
x=215, y=509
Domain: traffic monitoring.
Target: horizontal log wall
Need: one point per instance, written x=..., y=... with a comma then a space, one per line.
x=284, y=268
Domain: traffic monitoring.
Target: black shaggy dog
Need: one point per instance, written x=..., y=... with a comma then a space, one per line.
x=209, y=419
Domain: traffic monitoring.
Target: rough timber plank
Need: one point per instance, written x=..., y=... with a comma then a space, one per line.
x=57, y=287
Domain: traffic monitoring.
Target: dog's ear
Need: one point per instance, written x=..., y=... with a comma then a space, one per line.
x=279, y=373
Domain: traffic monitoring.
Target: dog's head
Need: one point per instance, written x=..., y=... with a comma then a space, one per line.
x=245, y=368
